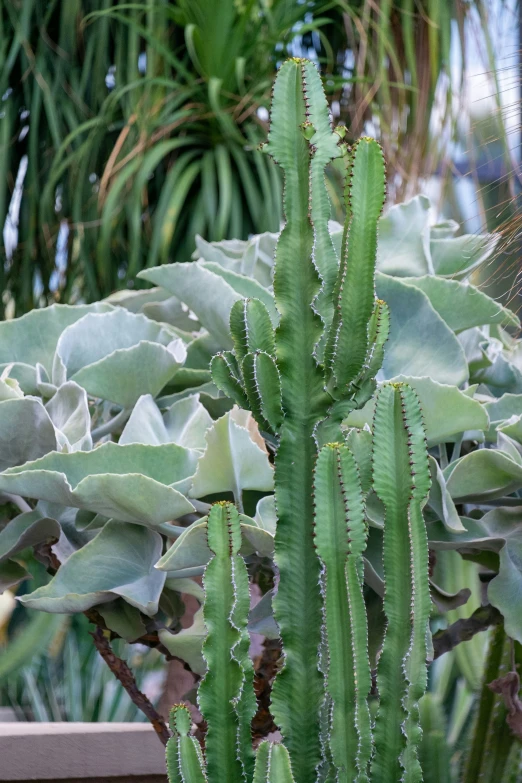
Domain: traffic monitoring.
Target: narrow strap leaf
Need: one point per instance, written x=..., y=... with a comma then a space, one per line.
x=251, y=328
x=490, y=754
x=433, y=750
x=225, y=375
x=401, y=480
x=340, y=536
x=225, y=692
x=184, y=758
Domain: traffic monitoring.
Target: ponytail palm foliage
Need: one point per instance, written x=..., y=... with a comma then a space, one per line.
x=131, y=127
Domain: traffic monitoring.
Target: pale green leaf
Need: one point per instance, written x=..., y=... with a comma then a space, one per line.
x=482, y=475
x=462, y=306
x=191, y=551
x=27, y=530
x=9, y=387
x=458, y=256
x=33, y=337
x=208, y=293
x=26, y=431
x=185, y=422
x=134, y=483
x=404, y=233
x=266, y=516
x=123, y=619
x=441, y=501
x=119, y=561
x=420, y=342
x=447, y=411
x=69, y=412
x=188, y=643
x=232, y=461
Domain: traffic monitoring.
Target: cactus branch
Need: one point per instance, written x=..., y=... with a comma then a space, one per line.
x=225, y=695
x=401, y=480
x=340, y=536
x=183, y=754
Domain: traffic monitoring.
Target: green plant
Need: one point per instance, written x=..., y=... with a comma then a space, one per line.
x=110, y=421
x=131, y=127
x=139, y=123
x=66, y=679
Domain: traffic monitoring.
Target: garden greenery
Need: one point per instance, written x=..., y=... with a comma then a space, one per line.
x=116, y=436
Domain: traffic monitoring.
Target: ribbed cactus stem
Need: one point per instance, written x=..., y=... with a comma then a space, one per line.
x=340, y=535
x=300, y=383
x=225, y=695
x=297, y=690
x=401, y=480
x=184, y=758
x=273, y=764
x=348, y=340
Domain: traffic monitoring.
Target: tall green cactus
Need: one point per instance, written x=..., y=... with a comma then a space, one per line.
x=273, y=764
x=226, y=695
x=300, y=382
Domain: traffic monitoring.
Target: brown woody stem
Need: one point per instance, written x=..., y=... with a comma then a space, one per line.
x=463, y=630
x=123, y=673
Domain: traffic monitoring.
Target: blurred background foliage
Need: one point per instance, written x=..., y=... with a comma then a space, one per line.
x=127, y=128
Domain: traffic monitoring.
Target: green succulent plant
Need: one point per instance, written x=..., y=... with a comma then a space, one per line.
x=117, y=438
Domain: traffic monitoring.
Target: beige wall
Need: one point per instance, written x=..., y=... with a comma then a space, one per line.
x=81, y=753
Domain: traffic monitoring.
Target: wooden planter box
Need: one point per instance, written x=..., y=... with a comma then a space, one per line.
x=81, y=753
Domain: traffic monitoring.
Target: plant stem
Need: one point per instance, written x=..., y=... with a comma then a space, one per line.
x=110, y=426
x=463, y=630
x=123, y=673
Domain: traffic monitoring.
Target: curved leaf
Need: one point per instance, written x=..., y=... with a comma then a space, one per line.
x=185, y=422
x=134, y=483
x=207, y=292
x=191, y=550
x=482, y=475
x=26, y=432
x=27, y=530
x=33, y=338
x=118, y=562
x=462, y=306
x=69, y=412
x=231, y=462
x=420, y=342
x=447, y=411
